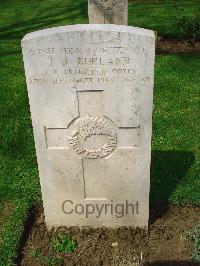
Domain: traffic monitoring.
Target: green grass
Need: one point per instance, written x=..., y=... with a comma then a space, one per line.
x=194, y=236
x=63, y=243
x=17, y=17
x=175, y=161
x=175, y=164
x=60, y=244
x=161, y=16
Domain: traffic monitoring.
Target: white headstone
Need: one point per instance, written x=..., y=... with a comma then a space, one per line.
x=108, y=12
x=90, y=90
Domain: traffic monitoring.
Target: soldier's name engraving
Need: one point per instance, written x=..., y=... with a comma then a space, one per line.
x=103, y=61
x=77, y=66
x=93, y=64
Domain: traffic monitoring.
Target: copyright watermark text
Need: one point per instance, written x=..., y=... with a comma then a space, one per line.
x=96, y=210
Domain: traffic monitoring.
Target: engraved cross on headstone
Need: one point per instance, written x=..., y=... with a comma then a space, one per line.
x=93, y=138
x=108, y=12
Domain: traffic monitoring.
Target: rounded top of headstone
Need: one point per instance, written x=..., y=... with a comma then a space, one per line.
x=89, y=27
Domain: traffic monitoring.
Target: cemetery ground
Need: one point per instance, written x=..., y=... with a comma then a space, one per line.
x=175, y=179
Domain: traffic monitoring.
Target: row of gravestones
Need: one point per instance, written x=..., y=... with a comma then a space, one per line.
x=90, y=91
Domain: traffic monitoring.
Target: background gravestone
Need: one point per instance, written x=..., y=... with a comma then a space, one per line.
x=90, y=90
x=108, y=12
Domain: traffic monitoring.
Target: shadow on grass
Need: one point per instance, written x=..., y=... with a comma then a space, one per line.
x=18, y=29
x=31, y=218
x=168, y=168
x=44, y=17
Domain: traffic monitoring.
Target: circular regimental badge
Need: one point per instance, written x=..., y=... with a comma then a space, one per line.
x=92, y=137
x=107, y=4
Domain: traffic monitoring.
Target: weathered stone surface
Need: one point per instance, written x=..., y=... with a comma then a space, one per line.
x=90, y=90
x=108, y=12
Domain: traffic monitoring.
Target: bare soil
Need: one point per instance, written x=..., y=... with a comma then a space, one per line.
x=165, y=243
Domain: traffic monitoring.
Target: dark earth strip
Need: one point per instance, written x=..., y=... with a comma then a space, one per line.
x=169, y=46
x=165, y=243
